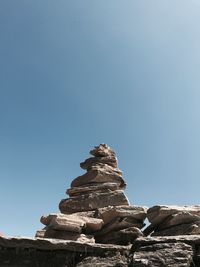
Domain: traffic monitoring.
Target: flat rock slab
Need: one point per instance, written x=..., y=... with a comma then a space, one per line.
x=109, y=160
x=158, y=214
x=88, y=188
x=167, y=254
x=65, y=235
x=107, y=214
x=181, y=229
x=100, y=174
x=145, y=241
x=93, y=201
x=71, y=222
x=57, y=244
x=182, y=217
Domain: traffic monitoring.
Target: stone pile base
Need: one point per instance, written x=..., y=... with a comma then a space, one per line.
x=174, y=251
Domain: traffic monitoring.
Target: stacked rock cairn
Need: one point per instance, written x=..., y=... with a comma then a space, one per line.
x=97, y=209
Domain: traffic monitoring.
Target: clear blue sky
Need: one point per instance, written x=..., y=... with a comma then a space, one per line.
x=74, y=74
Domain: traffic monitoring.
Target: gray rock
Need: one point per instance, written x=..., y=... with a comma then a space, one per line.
x=57, y=245
x=109, y=160
x=93, y=201
x=88, y=188
x=102, y=150
x=121, y=237
x=100, y=174
x=111, y=261
x=166, y=254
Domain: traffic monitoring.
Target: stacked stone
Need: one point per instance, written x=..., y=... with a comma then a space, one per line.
x=97, y=208
x=173, y=220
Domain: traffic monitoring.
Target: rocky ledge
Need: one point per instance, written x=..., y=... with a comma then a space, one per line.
x=172, y=251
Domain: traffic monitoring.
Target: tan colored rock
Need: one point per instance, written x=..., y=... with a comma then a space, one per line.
x=158, y=214
x=164, y=254
x=102, y=150
x=57, y=234
x=182, y=217
x=100, y=174
x=108, y=213
x=92, y=201
x=88, y=188
x=72, y=222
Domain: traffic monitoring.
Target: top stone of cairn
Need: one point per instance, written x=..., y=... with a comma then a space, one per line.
x=102, y=150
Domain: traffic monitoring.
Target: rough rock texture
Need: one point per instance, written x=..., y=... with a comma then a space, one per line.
x=93, y=201
x=175, y=251
x=164, y=254
x=173, y=220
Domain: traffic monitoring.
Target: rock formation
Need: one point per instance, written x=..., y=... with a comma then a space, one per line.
x=173, y=220
x=97, y=209
x=98, y=227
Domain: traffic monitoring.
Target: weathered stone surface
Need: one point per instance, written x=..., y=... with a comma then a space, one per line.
x=100, y=174
x=72, y=222
x=167, y=254
x=181, y=229
x=58, y=244
x=93, y=201
x=121, y=237
x=118, y=224
x=109, y=160
x=158, y=214
x=107, y=214
x=65, y=235
x=88, y=188
x=69, y=223
x=102, y=150
x=177, y=219
x=111, y=261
